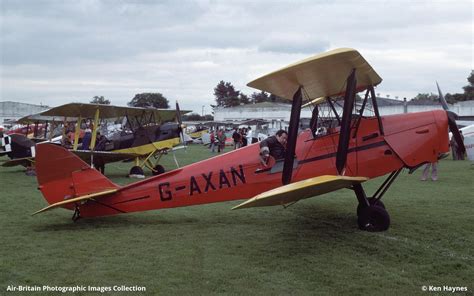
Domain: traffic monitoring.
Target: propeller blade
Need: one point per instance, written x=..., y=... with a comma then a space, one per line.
x=180, y=124
x=441, y=98
x=453, y=128
x=178, y=114
x=452, y=117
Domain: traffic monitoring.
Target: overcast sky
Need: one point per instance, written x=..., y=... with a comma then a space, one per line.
x=54, y=52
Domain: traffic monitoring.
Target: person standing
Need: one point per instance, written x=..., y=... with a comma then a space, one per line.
x=243, y=137
x=237, y=138
x=212, y=139
x=434, y=171
x=221, y=140
x=86, y=140
x=249, y=136
x=99, y=162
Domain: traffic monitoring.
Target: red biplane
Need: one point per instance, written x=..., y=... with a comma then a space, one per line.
x=339, y=152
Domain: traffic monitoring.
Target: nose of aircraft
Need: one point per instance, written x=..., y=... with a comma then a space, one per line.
x=446, y=120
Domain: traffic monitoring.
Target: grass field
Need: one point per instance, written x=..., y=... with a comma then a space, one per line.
x=312, y=247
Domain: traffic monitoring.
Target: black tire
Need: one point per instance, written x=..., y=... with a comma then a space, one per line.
x=158, y=170
x=372, y=202
x=136, y=172
x=373, y=219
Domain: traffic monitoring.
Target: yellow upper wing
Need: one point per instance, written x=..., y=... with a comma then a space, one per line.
x=322, y=75
x=109, y=111
x=33, y=118
x=300, y=190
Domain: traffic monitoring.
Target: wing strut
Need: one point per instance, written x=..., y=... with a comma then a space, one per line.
x=361, y=112
x=333, y=110
x=292, y=135
x=376, y=109
x=344, y=136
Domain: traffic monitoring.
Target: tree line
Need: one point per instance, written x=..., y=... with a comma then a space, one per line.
x=152, y=100
x=467, y=95
x=144, y=100
x=226, y=95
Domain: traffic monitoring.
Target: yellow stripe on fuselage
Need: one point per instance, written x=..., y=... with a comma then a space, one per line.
x=152, y=147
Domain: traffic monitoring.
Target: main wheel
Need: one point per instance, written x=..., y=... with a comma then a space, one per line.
x=158, y=170
x=372, y=202
x=136, y=172
x=373, y=219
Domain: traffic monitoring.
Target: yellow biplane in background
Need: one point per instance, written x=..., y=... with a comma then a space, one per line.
x=117, y=133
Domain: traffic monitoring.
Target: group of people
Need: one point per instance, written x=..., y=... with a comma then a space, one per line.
x=242, y=137
x=217, y=139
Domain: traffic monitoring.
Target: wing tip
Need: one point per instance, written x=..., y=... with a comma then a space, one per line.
x=42, y=210
x=240, y=206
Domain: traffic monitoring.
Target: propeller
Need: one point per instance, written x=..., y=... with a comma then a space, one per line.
x=453, y=127
x=181, y=126
x=441, y=98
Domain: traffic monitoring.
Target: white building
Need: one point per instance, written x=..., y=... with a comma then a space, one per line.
x=266, y=111
x=275, y=112
x=12, y=111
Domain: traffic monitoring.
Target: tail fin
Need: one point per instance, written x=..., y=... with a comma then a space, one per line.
x=62, y=175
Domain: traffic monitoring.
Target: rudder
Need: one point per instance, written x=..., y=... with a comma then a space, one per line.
x=62, y=175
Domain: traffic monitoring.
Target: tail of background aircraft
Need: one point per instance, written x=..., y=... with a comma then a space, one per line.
x=5, y=145
x=62, y=176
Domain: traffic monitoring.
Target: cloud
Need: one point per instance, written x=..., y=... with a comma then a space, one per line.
x=73, y=50
x=293, y=43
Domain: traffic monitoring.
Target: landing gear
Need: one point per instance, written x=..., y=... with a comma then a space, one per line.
x=371, y=213
x=372, y=202
x=158, y=170
x=77, y=214
x=136, y=172
x=373, y=219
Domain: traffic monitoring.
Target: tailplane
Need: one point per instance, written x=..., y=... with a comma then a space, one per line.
x=63, y=176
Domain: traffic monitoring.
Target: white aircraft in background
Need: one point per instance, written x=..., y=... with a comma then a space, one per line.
x=467, y=131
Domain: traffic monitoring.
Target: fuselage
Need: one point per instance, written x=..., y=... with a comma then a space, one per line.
x=408, y=140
